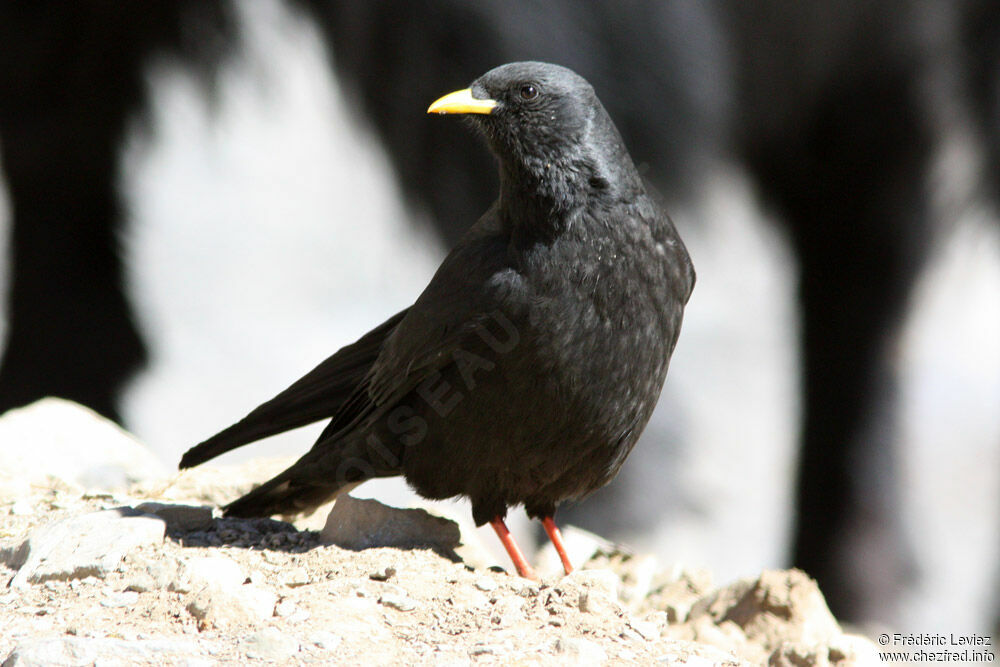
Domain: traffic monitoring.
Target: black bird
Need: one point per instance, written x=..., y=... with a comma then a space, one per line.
x=529, y=366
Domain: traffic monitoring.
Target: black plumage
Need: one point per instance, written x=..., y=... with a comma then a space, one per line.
x=529, y=366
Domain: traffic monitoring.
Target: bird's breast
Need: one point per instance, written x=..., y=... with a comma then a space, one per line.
x=600, y=336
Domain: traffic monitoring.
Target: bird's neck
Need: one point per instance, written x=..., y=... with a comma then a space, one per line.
x=538, y=203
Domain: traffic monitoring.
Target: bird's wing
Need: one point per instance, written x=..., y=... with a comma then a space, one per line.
x=421, y=341
x=467, y=293
x=458, y=302
x=320, y=394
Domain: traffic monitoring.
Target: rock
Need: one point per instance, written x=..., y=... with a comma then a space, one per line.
x=598, y=590
x=208, y=572
x=397, y=601
x=675, y=592
x=358, y=524
x=66, y=440
x=222, y=598
x=285, y=608
x=645, y=629
x=636, y=574
x=691, y=654
x=779, y=619
x=220, y=608
x=485, y=584
x=468, y=599
x=507, y=611
x=842, y=651
x=123, y=599
x=81, y=546
x=325, y=640
x=22, y=507
x=180, y=518
x=149, y=574
x=13, y=554
x=86, y=651
x=848, y=649
x=778, y=606
x=579, y=651
x=271, y=644
x=488, y=649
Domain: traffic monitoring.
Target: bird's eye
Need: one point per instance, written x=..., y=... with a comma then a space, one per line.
x=528, y=92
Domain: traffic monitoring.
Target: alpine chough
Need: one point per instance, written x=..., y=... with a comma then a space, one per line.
x=527, y=369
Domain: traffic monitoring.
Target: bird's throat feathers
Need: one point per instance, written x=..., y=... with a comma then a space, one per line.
x=539, y=198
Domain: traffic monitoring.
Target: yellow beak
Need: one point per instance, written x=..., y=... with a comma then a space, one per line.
x=461, y=101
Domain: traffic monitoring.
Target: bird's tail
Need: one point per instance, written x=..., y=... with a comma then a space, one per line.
x=283, y=496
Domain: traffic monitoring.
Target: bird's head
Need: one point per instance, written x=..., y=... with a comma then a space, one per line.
x=546, y=126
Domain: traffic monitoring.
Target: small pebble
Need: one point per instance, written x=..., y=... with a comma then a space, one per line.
x=296, y=577
x=123, y=599
x=581, y=651
x=486, y=649
x=22, y=508
x=485, y=584
x=400, y=602
x=647, y=630
x=285, y=608
x=529, y=591
x=271, y=644
x=325, y=640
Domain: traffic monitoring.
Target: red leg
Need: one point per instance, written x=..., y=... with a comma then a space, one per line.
x=553, y=530
x=520, y=562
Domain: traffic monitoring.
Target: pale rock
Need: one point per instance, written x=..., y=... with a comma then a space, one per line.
x=295, y=577
x=691, y=654
x=598, y=590
x=507, y=611
x=637, y=578
x=208, y=572
x=123, y=599
x=397, y=601
x=149, y=572
x=85, y=545
x=776, y=607
x=59, y=438
x=645, y=629
x=222, y=599
x=65, y=651
x=22, y=507
x=325, y=640
x=219, y=608
x=485, y=584
x=270, y=644
x=849, y=650
x=842, y=651
x=581, y=652
x=357, y=524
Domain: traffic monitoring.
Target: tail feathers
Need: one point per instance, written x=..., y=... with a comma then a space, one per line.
x=247, y=430
x=216, y=445
x=282, y=496
x=320, y=394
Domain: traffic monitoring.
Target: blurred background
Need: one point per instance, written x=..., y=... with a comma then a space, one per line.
x=201, y=200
